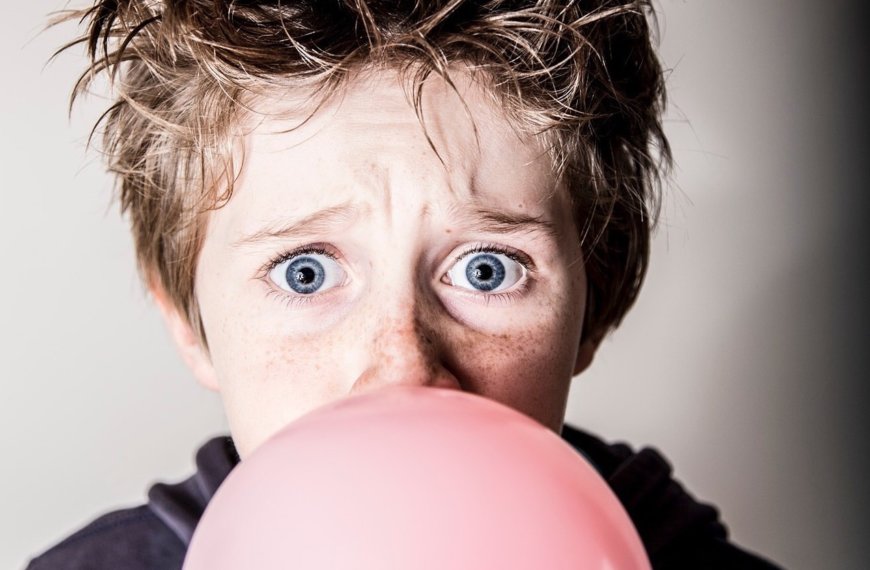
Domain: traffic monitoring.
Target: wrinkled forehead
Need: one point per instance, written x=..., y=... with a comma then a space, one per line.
x=368, y=145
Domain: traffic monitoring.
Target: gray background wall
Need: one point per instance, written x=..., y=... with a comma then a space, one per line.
x=742, y=361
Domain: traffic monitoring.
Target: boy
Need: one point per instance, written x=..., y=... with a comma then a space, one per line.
x=331, y=197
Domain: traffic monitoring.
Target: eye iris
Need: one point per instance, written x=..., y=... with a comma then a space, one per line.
x=305, y=275
x=485, y=272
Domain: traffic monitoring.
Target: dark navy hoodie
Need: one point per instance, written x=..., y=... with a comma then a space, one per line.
x=677, y=531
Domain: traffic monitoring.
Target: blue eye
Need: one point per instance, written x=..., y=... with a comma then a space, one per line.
x=486, y=272
x=307, y=273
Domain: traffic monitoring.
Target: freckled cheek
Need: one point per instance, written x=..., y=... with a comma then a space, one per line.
x=281, y=364
x=270, y=379
x=528, y=370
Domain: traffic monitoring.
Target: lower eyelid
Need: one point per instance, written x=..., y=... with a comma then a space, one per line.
x=511, y=295
x=295, y=300
x=288, y=300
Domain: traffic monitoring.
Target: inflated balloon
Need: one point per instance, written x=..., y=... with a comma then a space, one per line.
x=415, y=479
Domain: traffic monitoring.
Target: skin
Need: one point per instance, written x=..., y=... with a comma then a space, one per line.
x=400, y=221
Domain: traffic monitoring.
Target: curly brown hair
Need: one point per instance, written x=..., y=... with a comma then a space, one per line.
x=582, y=73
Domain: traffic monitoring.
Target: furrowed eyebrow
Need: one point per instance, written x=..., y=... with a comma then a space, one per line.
x=319, y=222
x=484, y=220
x=501, y=222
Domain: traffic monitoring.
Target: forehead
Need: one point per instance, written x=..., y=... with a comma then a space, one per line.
x=367, y=145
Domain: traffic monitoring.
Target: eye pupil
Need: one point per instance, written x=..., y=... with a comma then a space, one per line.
x=485, y=272
x=305, y=275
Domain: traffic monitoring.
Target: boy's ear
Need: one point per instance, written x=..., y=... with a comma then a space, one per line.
x=586, y=352
x=186, y=340
x=589, y=339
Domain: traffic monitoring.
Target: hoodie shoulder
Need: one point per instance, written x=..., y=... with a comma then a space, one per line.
x=127, y=539
x=148, y=537
x=677, y=530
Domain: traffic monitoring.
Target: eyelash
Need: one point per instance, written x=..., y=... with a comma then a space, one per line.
x=513, y=254
x=291, y=301
x=504, y=296
x=281, y=258
x=298, y=300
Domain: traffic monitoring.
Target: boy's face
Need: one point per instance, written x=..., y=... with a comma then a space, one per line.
x=351, y=258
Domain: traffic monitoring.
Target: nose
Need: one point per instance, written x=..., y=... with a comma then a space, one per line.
x=403, y=351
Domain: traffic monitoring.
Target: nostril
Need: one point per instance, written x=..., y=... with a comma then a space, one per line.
x=447, y=380
x=407, y=372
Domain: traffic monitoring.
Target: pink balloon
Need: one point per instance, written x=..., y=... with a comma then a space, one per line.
x=415, y=479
